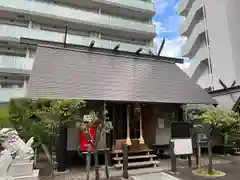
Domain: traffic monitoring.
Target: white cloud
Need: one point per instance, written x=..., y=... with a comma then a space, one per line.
x=172, y=48
x=176, y=6
x=159, y=27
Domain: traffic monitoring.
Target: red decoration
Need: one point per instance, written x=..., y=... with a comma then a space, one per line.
x=84, y=140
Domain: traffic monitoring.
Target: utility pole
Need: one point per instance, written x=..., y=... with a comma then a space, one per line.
x=208, y=46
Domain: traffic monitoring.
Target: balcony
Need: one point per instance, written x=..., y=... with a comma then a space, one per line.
x=184, y=7
x=197, y=59
x=194, y=16
x=48, y=12
x=142, y=8
x=193, y=43
x=7, y=93
x=14, y=62
x=38, y=34
x=136, y=4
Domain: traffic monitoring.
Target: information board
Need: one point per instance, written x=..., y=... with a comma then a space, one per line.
x=182, y=146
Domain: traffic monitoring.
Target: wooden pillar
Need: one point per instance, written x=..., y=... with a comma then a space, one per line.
x=114, y=126
x=105, y=143
x=128, y=141
x=125, y=161
x=141, y=140
x=62, y=149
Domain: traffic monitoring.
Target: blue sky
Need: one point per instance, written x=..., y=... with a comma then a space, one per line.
x=167, y=25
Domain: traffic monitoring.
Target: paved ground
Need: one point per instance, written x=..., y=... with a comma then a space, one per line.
x=155, y=176
x=164, y=165
x=232, y=173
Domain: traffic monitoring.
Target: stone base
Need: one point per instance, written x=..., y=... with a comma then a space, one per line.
x=19, y=159
x=7, y=178
x=21, y=169
x=33, y=176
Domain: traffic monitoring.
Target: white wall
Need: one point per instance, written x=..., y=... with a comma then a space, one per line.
x=220, y=43
x=204, y=80
x=233, y=15
x=72, y=139
x=227, y=101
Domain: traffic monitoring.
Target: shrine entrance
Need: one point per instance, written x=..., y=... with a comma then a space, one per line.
x=127, y=123
x=128, y=129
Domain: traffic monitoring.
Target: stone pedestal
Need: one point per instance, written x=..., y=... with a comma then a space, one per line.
x=23, y=170
x=21, y=167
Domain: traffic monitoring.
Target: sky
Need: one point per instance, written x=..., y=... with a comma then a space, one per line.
x=167, y=23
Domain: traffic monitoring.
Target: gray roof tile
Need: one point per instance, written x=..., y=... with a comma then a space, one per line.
x=64, y=73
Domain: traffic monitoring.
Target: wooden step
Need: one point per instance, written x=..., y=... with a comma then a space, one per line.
x=139, y=151
x=54, y=157
x=138, y=164
x=236, y=149
x=135, y=157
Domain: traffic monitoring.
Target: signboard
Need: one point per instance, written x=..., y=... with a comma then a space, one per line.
x=181, y=130
x=182, y=146
x=160, y=123
x=87, y=118
x=202, y=138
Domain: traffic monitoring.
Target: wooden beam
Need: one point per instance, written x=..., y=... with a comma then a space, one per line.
x=161, y=47
x=65, y=35
x=139, y=50
x=141, y=140
x=128, y=141
x=116, y=47
x=92, y=44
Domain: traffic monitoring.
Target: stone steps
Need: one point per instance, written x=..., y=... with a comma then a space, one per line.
x=132, y=152
x=138, y=164
x=135, y=157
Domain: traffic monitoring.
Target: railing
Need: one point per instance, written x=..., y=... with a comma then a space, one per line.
x=75, y=15
x=18, y=32
x=139, y=4
x=7, y=93
x=16, y=62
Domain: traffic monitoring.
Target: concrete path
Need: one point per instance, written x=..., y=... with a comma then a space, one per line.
x=232, y=173
x=155, y=176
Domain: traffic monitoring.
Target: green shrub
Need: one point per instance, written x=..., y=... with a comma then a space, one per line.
x=4, y=118
x=40, y=118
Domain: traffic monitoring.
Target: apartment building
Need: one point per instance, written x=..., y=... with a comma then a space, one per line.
x=213, y=41
x=107, y=22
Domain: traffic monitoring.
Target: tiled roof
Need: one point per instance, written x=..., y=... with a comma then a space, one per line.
x=90, y=75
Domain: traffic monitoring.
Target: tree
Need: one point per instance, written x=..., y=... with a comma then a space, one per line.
x=58, y=115
x=103, y=126
x=225, y=121
x=23, y=117
x=193, y=111
x=42, y=119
